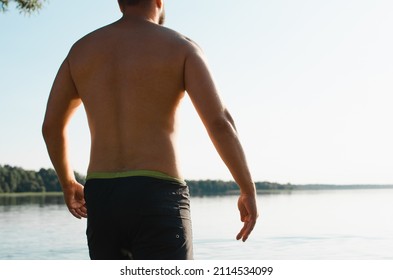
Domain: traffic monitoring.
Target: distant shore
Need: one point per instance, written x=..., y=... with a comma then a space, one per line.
x=16, y=181
x=20, y=194
x=340, y=187
x=294, y=188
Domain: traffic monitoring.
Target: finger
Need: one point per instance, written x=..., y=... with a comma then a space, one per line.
x=246, y=230
x=242, y=231
x=242, y=212
x=249, y=227
x=75, y=214
x=243, y=235
x=240, y=234
x=81, y=212
x=84, y=210
x=243, y=215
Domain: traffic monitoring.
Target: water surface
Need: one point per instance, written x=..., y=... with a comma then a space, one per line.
x=334, y=225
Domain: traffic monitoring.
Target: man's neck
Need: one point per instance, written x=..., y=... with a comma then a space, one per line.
x=134, y=15
x=136, y=19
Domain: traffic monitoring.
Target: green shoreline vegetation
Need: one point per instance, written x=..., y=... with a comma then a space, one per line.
x=16, y=181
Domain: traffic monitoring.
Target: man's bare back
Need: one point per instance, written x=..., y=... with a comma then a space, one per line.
x=131, y=76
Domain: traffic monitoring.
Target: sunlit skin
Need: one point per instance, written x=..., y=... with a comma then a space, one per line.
x=131, y=76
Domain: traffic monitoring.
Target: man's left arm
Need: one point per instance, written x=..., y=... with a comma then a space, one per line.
x=62, y=104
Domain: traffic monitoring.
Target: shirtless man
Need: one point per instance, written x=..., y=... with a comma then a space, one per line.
x=131, y=76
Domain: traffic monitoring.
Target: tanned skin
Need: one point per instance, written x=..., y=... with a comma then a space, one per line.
x=131, y=76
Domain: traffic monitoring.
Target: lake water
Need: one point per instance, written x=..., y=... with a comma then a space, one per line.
x=306, y=225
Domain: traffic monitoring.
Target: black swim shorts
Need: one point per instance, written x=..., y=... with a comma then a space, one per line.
x=138, y=217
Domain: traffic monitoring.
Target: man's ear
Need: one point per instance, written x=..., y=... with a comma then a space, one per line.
x=159, y=3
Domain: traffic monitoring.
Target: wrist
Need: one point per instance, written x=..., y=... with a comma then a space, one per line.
x=249, y=190
x=67, y=183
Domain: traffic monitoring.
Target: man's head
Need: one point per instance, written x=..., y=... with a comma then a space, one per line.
x=147, y=5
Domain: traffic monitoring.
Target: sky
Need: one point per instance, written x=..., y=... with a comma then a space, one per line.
x=308, y=82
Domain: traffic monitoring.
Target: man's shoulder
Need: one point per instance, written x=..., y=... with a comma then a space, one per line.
x=180, y=39
x=89, y=38
x=167, y=35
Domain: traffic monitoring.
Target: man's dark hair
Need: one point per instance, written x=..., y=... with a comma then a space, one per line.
x=132, y=2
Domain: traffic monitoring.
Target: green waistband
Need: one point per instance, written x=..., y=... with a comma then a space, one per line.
x=133, y=173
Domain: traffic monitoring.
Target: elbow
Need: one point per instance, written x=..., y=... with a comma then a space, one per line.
x=223, y=124
x=46, y=130
x=49, y=130
x=229, y=119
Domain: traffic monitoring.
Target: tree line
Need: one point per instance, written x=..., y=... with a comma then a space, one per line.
x=18, y=180
x=218, y=187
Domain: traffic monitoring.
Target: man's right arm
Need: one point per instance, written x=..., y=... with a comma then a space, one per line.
x=222, y=131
